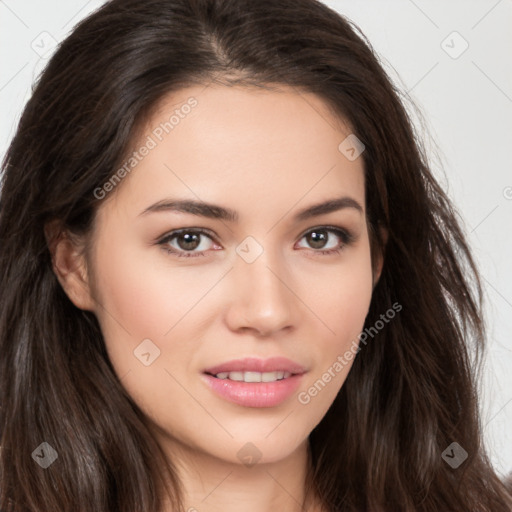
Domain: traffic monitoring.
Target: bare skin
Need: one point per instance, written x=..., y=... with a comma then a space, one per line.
x=266, y=155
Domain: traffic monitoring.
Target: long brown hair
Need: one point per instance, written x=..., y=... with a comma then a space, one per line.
x=411, y=392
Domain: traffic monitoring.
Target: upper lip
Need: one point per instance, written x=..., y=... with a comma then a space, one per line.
x=251, y=364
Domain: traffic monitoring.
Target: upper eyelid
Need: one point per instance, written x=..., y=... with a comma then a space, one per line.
x=176, y=232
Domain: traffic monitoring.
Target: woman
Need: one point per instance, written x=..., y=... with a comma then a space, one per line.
x=229, y=278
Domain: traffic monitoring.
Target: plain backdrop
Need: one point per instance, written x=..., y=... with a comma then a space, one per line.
x=454, y=59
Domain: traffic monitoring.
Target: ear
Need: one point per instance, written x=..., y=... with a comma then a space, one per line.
x=69, y=265
x=379, y=257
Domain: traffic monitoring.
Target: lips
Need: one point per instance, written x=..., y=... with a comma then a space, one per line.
x=251, y=364
x=252, y=382
x=254, y=394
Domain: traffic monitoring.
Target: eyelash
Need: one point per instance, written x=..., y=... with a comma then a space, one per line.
x=346, y=237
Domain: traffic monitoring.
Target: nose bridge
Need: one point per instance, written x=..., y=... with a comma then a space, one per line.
x=261, y=298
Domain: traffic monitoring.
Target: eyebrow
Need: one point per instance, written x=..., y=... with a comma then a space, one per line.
x=213, y=211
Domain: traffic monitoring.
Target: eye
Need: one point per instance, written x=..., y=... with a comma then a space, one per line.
x=319, y=238
x=187, y=242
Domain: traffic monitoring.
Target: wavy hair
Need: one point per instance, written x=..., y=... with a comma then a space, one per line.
x=411, y=392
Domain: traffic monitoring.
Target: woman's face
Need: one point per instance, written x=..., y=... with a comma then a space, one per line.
x=253, y=277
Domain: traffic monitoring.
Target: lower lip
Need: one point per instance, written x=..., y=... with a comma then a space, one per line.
x=254, y=394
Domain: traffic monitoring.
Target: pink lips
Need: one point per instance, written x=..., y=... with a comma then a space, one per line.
x=255, y=394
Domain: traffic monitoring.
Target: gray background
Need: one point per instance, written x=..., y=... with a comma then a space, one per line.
x=464, y=95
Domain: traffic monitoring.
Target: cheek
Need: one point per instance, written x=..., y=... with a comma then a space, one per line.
x=144, y=293
x=144, y=296
x=341, y=296
x=342, y=306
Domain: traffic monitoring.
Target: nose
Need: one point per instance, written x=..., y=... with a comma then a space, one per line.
x=261, y=298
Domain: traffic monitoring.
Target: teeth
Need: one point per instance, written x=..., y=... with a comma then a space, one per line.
x=254, y=376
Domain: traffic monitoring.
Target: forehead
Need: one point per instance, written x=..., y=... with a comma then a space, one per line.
x=245, y=146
